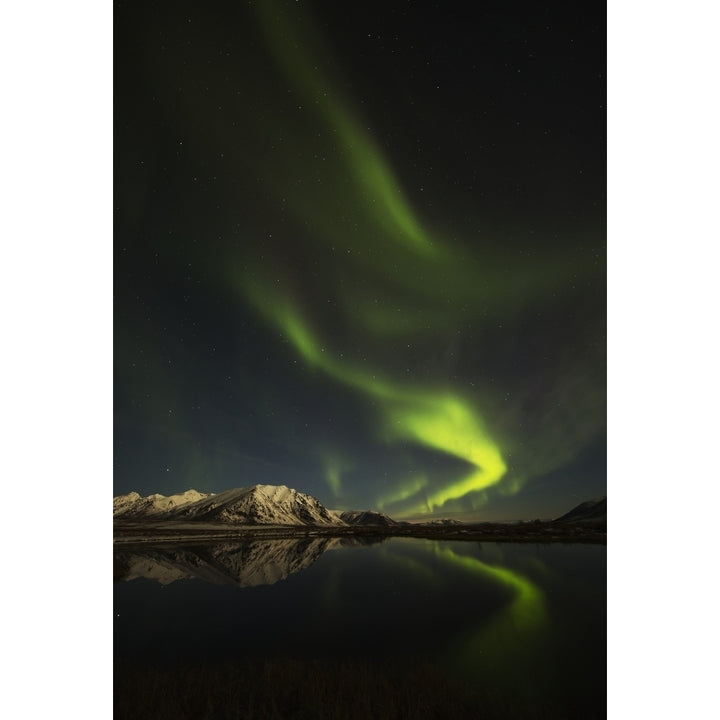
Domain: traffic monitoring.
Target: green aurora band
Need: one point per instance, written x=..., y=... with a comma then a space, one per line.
x=335, y=465
x=404, y=319
x=434, y=418
x=347, y=194
x=390, y=279
x=375, y=183
x=438, y=420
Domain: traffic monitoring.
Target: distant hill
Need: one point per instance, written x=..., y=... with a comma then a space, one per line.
x=589, y=511
x=365, y=517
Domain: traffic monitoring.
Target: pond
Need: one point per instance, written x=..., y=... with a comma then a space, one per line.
x=329, y=627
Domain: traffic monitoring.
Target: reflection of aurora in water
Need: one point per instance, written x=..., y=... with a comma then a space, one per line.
x=517, y=619
x=510, y=638
x=511, y=624
x=527, y=610
x=509, y=632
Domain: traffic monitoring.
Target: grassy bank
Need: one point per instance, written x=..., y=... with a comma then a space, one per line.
x=533, y=532
x=318, y=690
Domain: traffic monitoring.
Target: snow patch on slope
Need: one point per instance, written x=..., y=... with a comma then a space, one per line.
x=256, y=505
x=132, y=504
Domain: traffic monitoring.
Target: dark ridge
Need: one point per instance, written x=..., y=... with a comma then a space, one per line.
x=589, y=511
x=366, y=517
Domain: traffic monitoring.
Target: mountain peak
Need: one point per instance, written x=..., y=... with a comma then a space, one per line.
x=259, y=504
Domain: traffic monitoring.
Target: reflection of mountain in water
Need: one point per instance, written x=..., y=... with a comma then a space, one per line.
x=246, y=564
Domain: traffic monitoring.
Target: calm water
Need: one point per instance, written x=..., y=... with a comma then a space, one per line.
x=526, y=621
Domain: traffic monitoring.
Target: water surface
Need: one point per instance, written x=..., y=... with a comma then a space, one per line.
x=525, y=623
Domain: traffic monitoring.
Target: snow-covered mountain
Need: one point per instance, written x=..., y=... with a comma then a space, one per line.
x=256, y=505
x=133, y=505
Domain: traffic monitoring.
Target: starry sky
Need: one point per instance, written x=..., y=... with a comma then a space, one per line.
x=360, y=250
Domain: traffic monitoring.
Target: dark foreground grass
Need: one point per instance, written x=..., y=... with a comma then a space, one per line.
x=318, y=690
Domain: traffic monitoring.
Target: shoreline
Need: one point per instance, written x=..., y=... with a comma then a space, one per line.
x=134, y=533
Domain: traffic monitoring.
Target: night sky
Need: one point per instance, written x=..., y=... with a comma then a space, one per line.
x=360, y=250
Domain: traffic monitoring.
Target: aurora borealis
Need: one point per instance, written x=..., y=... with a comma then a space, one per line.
x=360, y=251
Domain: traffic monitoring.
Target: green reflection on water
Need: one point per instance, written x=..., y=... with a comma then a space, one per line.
x=509, y=642
x=505, y=641
x=527, y=610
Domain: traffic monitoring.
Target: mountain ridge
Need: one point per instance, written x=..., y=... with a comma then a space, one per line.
x=255, y=505
x=279, y=505
x=589, y=511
